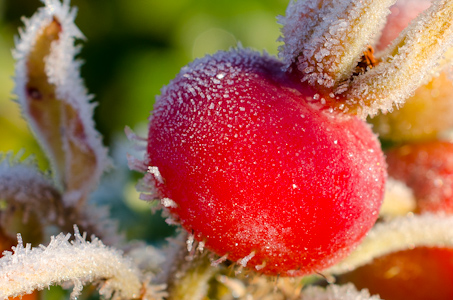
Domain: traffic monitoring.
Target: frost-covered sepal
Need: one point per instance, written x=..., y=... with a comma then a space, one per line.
x=324, y=40
x=411, y=60
x=54, y=100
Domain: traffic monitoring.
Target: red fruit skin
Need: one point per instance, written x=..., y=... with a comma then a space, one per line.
x=427, y=168
x=255, y=170
x=417, y=274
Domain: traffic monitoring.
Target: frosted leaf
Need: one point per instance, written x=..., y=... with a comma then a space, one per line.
x=406, y=64
x=399, y=199
x=54, y=100
x=23, y=185
x=336, y=292
x=325, y=39
x=399, y=234
x=78, y=262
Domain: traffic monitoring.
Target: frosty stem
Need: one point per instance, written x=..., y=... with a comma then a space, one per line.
x=399, y=234
x=78, y=261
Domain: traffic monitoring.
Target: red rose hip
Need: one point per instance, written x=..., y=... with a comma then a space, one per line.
x=417, y=274
x=242, y=160
x=427, y=168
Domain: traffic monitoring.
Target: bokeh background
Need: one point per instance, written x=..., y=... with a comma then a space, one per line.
x=132, y=49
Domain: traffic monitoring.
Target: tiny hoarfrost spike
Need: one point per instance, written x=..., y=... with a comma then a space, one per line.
x=250, y=167
x=54, y=100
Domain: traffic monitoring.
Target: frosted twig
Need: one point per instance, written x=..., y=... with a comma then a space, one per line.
x=55, y=102
x=399, y=234
x=325, y=39
x=406, y=64
x=79, y=262
x=331, y=292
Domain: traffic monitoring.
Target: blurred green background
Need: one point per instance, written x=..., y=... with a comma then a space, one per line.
x=133, y=48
